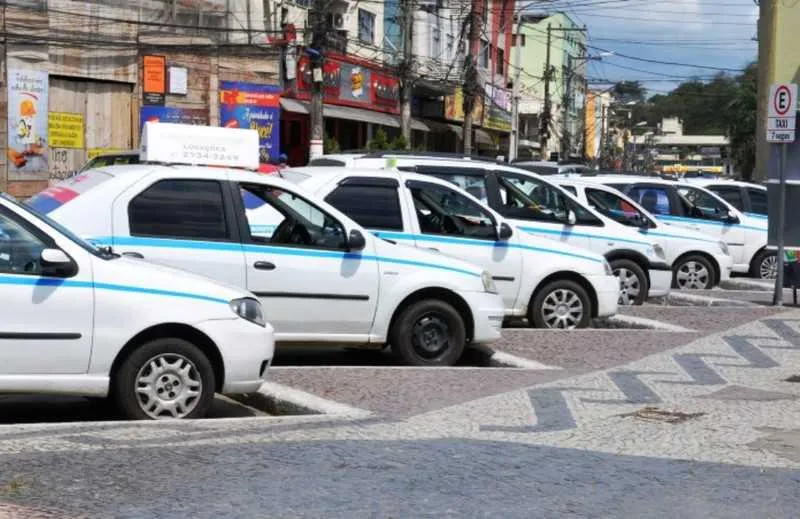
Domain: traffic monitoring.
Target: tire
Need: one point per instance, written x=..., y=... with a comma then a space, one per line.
x=167, y=357
x=561, y=304
x=430, y=322
x=633, y=290
x=764, y=262
x=693, y=272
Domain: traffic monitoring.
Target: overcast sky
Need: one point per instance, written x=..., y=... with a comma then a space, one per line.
x=711, y=33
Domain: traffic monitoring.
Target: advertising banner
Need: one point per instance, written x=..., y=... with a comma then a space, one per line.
x=171, y=114
x=498, y=109
x=65, y=130
x=256, y=107
x=154, y=79
x=454, y=108
x=590, y=119
x=355, y=84
x=27, y=121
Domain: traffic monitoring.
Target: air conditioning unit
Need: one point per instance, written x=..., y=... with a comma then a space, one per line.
x=339, y=22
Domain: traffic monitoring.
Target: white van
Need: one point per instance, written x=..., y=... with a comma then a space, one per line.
x=691, y=206
x=537, y=206
x=321, y=277
x=554, y=286
x=699, y=261
x=81, y=321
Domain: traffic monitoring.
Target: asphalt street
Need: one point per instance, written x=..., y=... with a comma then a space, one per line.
x=692, y=417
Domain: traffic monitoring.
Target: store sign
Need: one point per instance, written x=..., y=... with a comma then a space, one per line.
x=171, y=114
x=351, y=84
x=454, y=107
x=213, y=6
x=256, y=107
x=27, y=121
x=65, y=130
x=498, y=109
x=154, y=79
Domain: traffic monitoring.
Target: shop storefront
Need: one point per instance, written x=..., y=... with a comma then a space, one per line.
x=497, y=120
x=359, y=98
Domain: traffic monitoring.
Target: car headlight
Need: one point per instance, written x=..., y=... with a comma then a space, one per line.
x=607, y=268
x=249, y=309
x=488, y=282
x=658, y=250
x=724, y=247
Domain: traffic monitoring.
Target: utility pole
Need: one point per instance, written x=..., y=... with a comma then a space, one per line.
x=406, y=69
x=566, y=102
x=471, y=75
x=544, y=130
x=513, y=144
x=318, y=22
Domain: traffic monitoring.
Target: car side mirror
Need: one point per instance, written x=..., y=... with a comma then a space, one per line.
x=356, y=240
x=505, y=232
x=731, y=217
x=571, y=218
x=56, y=263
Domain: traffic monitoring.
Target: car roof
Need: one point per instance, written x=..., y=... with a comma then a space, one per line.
x=723, y=181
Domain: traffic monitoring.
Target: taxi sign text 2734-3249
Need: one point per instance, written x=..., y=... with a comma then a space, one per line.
x=782, y=113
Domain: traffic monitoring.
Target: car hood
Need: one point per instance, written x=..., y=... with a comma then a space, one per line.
x=143, y=275
x=666, y=230
x=401, y=253
x=533, y=242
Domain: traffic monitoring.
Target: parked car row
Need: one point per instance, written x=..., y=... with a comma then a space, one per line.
x=174, y=276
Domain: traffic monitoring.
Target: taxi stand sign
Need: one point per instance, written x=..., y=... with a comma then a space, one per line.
x=170, y=143
x=781, y=120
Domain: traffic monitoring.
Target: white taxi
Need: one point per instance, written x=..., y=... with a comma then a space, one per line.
x=699, y=261
x=82, y=321
x=539, y=207
x=553, y=286
x=321, y=277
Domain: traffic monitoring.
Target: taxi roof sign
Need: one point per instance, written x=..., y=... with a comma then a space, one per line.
x=171, y=143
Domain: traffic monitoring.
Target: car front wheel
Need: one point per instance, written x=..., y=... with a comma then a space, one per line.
x=765, y=265
x=165, y=379
x=428, y=333
x=693, y=273
x=633, y=285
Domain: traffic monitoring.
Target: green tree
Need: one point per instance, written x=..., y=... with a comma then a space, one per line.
x=330, y=145
x=741, y=121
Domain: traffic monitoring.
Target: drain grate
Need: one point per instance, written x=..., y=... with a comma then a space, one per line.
x=654, y=414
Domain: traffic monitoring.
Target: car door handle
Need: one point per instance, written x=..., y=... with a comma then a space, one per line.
x=264, y=265
x=432, y=248
x=133, y=254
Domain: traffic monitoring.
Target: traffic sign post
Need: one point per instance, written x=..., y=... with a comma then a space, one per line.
x=781, y=119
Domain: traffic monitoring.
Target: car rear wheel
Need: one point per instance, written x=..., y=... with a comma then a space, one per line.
x=693, y=273
x=428, y=333
x=765, y=265
x=165, y=379
x=633, y=285
x=561, y=304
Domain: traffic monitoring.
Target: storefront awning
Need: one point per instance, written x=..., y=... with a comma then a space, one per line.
x=441, y=127
x=483, y=138
x=352, y=114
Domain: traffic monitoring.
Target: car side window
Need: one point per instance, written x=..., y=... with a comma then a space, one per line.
x=614, y=207
x=180, y=208
x=653, y=199
x=441, y=210
x=278, y=217
x=475, y=185
x=758, y=201
x=20, y=249
x=731, y=194
x=704, y=204
x=373, y=206
x=527, y=198
x=571, y=189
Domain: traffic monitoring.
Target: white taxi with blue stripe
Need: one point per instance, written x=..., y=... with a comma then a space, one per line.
x=321, y=278
x=693, y=207
x=553, y=286
x=541, y=208
x=78, y=320
x=699, y=261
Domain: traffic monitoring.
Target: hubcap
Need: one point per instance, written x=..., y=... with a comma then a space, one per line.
x=769, y=267
x=562, y=308
x=168, y=386
x=629, y=286
x=430, y=335
x=692, y=275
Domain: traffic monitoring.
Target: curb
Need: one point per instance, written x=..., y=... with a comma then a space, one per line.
x=696, y=300
x=746, y=284
x=631, y=321
x=277, y=399
x=499, y=359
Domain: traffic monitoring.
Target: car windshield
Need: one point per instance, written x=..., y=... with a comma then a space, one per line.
x=85, y=245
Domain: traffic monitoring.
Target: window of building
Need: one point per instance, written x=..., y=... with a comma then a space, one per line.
x=451, y=47
x=486, y=50
x=518, y=38
x=371, y=206
x=436, y=42
x=366, y=26
x=188, y=209
x=500, y=64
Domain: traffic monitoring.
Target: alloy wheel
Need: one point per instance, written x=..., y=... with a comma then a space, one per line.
x=692, y=275
x=768, y=269
x=563, y=309
x=629, y=286
x=168, y=386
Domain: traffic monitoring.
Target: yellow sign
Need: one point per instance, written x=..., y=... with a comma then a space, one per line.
x=96, y=152
x=454, y=107
x=65, y=130
x=589, y=124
